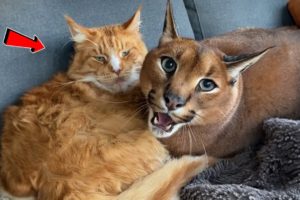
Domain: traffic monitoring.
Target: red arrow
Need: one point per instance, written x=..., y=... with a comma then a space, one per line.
x=14, y=39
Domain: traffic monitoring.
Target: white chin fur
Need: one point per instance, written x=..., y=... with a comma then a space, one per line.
x=157, y=132
x=130, y=83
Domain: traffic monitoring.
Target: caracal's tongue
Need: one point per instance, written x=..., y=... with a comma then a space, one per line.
x=164, y=119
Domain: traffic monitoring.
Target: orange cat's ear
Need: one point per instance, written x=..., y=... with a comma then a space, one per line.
x=133, y=24
x=169, y=30
x=78, y=32
x=238, y=64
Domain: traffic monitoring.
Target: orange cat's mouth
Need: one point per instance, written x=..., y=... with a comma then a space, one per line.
x=163, y=121
x=120, y=80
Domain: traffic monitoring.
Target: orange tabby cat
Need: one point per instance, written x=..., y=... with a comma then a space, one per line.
x=200, y=100
x=78, y=137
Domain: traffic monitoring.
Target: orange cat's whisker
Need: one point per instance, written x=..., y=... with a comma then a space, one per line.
x=143, y=103
x=104, y=78
x=66, y=43
x=103, y=75
x=60, y=87
x=116, y=102
x=67, y=83
x=139, y=109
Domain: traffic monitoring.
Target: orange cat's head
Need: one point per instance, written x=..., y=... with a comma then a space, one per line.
x=189, y=83
x=110, y=57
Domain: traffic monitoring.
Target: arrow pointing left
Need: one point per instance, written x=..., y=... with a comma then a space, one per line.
x=15, y=39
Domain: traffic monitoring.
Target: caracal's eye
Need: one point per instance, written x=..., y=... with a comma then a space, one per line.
x=125, y=53
x=207, y=85
x=168, y=64
x=100, y=58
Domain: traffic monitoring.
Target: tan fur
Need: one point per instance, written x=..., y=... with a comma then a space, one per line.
x=294, y=8
x=229, y=118
x=73, y=139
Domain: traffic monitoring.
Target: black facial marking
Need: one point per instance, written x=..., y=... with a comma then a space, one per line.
x=155, y=105
x=227, y=58
x=150, y=95
x=188, y=118
x=210, y=72
x=152, y=91
x=167, y=86
x=188, y=98
x=232, y=82
x=192, y=111
x=151, y=99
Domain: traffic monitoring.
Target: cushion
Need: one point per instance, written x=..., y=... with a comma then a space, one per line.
x=214, y=17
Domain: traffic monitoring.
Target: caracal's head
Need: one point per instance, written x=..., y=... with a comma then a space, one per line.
x=187, y=83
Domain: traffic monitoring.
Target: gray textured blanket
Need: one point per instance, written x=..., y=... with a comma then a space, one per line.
x=272, y=171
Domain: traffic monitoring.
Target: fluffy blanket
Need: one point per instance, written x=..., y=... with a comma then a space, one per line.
x=270, y=171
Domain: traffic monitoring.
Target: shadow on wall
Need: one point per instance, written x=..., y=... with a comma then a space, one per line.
x=287, y=21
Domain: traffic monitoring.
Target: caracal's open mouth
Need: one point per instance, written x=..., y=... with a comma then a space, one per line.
x=163, y=121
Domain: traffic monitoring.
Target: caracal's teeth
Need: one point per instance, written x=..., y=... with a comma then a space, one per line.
x=169, y=127
x=155, y=120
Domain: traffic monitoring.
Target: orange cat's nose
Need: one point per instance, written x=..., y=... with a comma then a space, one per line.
x=117, y=71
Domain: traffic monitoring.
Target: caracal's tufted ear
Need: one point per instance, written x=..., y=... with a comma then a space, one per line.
x=134, y=23
x=237, y=64
x=169, y=30
x=78, y=32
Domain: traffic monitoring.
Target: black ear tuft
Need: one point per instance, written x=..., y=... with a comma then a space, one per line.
x=233, y=59
x=237, y=64
x=169, y=29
